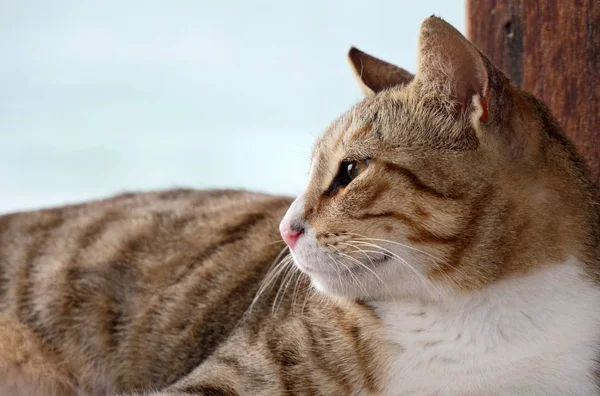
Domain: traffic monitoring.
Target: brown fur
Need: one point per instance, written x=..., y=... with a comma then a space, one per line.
x=135, y=292
x=491, y=189
x=27, y=366
x=155, y=292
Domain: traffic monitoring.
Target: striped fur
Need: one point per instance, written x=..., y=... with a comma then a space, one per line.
x=462, y=257
x=136, y=292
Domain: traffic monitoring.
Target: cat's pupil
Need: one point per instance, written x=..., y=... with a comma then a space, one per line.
x=352, y=170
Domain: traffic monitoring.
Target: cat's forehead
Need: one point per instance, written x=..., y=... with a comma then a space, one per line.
x=365, y=122
x=400, y=118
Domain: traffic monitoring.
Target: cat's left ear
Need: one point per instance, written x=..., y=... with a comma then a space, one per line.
x=453, y=67
x=374, y=75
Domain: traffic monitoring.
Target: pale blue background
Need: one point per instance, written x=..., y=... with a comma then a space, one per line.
x=98, y=97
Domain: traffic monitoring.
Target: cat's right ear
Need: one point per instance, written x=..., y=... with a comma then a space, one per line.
x=375, y=75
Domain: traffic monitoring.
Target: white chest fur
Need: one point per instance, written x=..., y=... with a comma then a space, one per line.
x=535, y=335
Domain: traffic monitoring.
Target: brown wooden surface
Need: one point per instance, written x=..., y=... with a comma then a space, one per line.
x=550, y=48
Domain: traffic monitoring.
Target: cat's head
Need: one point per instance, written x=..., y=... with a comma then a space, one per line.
x=437, y=183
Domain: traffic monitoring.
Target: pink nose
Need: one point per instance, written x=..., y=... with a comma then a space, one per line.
x=290, y=234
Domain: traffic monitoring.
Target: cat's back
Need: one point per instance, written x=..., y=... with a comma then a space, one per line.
x=109, y=283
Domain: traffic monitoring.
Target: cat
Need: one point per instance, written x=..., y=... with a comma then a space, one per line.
x=447, y=243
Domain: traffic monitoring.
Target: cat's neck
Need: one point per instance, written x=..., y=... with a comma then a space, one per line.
x=546, y=323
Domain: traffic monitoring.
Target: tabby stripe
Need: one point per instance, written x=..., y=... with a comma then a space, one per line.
x=468, y=238
x=423, y=235
x=232, y=234
x=73, y=276
x=363, y=353
x=94, y=231
x=360, y=132
x=25, y=307
x=185, y=326
x=332, y=372
x=365, y=357
x=233, y=363
x=286, y=358
x=135, y=250
x=374, y=196
x=417, y=183
x=119, y=277
x=207, y=390
x=223, y=318
x=4, y=282
x=241, y=228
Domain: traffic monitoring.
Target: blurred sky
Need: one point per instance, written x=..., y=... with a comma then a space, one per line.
x=99, y=97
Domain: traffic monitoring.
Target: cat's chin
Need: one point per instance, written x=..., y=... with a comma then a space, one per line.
x=332, y=291
x=370, y=288
x=340, y=293
x=348, y=282
x=380, y=278
x=326, y=281
x=337, y=286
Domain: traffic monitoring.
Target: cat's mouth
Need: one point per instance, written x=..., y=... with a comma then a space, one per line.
x=384, y=257
x=367, y=264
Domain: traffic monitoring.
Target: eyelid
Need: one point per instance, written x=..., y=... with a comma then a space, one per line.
x=367, y=160
x=334, y=186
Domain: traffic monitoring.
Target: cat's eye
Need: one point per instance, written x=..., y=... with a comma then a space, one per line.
x=355, y=168
x=348, y=171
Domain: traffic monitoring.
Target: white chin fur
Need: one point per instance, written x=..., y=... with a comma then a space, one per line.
x=339, y=276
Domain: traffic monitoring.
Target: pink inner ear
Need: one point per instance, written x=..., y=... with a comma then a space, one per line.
x=484, y=104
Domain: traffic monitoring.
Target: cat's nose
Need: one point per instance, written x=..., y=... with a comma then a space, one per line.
x=291, y=232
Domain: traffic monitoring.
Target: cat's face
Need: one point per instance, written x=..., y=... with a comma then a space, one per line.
x=378, y=213
x=427, y=185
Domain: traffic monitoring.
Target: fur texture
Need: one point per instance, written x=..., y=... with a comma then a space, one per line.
x=448, y=242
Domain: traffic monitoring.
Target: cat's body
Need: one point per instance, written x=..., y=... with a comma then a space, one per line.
x=448, y=243
x=143, y=317
x=135, y=292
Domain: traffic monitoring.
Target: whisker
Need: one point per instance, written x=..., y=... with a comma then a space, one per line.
x=278, y=266
x=307, y=295
x=271, y=276
x=336, y=271
x=399, y=244
x=274, y=242
x=434, y=259
x=362, y=265
x=425, y=281
x=277, y=263
x=359, y=249
x=294, y=294
x=348, y=269
x=286, y=281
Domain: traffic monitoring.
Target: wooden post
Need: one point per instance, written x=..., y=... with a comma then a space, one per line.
x=550, y=48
